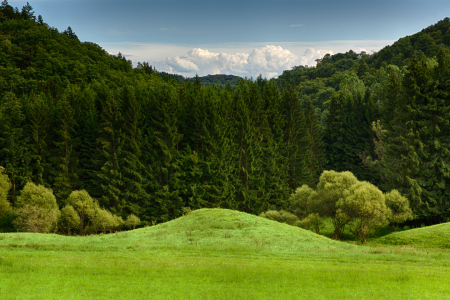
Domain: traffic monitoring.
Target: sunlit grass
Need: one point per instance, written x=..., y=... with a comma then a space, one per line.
x=216, y=254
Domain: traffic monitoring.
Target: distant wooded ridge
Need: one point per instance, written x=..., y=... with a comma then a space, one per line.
x=73, y=117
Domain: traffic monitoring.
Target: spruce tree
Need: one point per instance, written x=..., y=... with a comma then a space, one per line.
x=63, y=158
x=111, y=141
x=132, y=167
x=295, y=139
x=15, y=154
x=316, y=152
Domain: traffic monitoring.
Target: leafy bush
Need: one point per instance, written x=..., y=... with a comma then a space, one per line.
x=32, y=218
x=5, y=186
x=299, y=200
x=104, y=221
x=364, y=203
x=312, y=222
x=36, y=209
x=85, y=206
x=280, y=216
x=69, y=219
x=399, y=208
x=133, y=221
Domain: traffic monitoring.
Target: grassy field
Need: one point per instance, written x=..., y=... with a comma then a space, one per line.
x=220, y=254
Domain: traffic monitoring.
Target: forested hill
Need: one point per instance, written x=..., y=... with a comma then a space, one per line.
x=388, y=110
x=74, y=117
x=225, y=81
x=426, y=42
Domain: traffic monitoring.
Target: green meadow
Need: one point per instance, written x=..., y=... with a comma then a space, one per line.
x=224, y=254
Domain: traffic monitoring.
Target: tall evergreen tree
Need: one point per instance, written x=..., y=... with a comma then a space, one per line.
x=295, y=139
x=15, y=154
x=63, y=157
x=316, y=151
x=111, y=141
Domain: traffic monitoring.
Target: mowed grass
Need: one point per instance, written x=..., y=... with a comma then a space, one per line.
x=216, y=254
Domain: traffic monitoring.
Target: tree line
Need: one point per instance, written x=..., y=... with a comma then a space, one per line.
x=74, y=118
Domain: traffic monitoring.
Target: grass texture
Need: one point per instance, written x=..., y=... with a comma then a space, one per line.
x=216, y=254
x=436, y=236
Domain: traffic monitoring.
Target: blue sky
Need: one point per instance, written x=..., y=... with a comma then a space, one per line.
x=243, y=37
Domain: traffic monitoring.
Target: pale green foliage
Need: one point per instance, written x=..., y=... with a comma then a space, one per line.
x=399, y=206
x=133, y=221
x=37, y=195
x=36, y=209
x=352, y=86
x=330, y=189
x=119, y=222
x=298, y=201
x=5, y=186
x=104, y=221
x=364, y=203
x=32, y=218
x=280, y=216
x=84, y=205
x=69, y=219
x=312, y=222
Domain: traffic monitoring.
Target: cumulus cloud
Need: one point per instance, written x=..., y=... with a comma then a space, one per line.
x=269, y=61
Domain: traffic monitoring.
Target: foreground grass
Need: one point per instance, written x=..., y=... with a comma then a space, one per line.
x=216, y=254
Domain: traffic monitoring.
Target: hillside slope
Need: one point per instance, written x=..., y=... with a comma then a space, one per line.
x=214, y=229
x=436, y=236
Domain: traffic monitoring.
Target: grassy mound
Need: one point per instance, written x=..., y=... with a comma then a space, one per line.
x=215, y=229
x=436, y=236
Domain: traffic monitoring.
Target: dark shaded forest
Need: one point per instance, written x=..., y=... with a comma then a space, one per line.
x=73, y=117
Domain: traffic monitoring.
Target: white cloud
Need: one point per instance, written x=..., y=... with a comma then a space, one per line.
x=269, y=61
x=242, y=59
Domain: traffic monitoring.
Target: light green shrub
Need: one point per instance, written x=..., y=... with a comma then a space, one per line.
x=364, y=203
x=32, y=218
x=5, y=186
x=312, y=222
x=103, y=221
x=85, y=206
x=36, y=209
x=280, y=216
x=399, y=208
x=299, y=201
x=69, y=220
x=133, y=221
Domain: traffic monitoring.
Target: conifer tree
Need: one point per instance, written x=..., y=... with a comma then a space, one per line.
x=111, y=142
x=166, y=166
x=316, y=152
x=14, y=150
x=64, y=177
x=295, y=139
x=400, y=162
x=250, y=193
x=39, y=114
x=132, y=167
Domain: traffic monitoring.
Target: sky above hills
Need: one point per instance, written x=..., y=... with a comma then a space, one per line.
x=243, y=37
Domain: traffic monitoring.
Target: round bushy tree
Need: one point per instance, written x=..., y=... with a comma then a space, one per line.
x=399, y=208
x=36, y=209
x=5, y=186
x=280, y=216
x=133, y=221
x=330, y=189
x=84, y=205
x=69, y=220
x=299, y=200
x=364, y=203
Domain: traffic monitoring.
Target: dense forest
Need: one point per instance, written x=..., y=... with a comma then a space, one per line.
x=73, y=117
